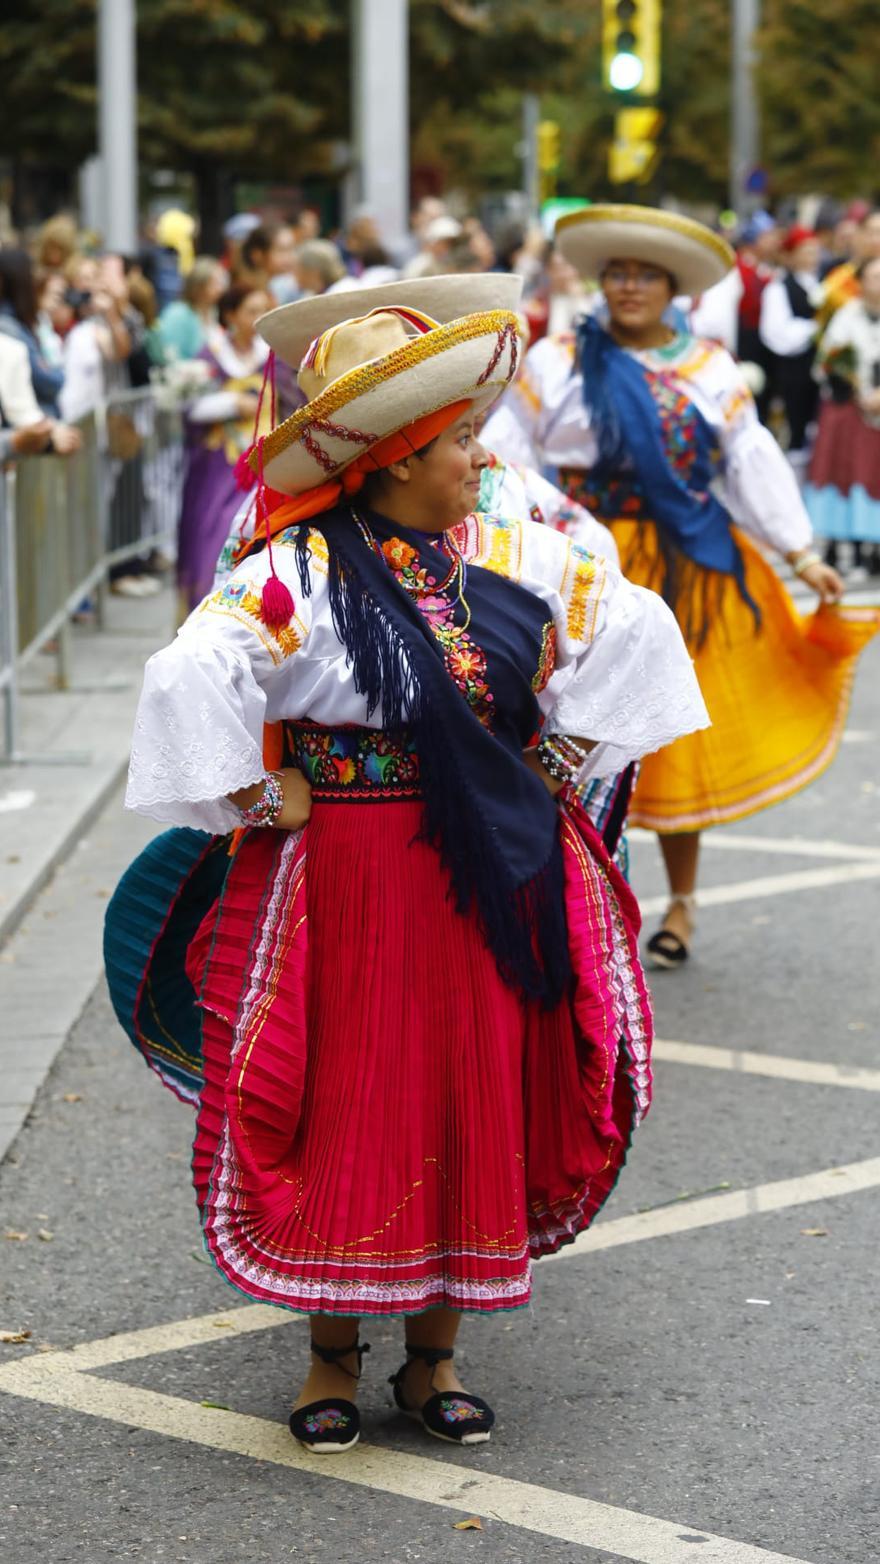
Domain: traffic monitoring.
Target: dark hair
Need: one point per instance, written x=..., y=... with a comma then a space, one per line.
x=18, y=287
x=374, y=255
x=376, y=481
x=260, y=241
x=234, y=297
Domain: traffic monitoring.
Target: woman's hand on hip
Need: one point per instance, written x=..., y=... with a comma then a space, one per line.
x=296, y=794
x=297, y=804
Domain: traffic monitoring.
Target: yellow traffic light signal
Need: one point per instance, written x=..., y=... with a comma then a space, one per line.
x=631, y=46
x=634, y=152
x=548, y=146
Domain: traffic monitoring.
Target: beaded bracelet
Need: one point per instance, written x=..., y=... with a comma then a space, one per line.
x=269, y=804
x=561, y=757
x=805, y=561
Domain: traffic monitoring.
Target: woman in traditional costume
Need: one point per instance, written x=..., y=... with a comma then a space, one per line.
x=843, y=492
x=409, y=1007
x=656, y=433
x=220, y=425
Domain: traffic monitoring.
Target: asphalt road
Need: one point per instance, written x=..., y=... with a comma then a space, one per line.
x=704, y=1382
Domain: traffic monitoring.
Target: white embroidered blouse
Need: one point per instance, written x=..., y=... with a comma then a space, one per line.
x=541, y=421
x=623, y=676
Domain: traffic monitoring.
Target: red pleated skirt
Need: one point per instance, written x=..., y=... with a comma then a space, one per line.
x=385, y=1126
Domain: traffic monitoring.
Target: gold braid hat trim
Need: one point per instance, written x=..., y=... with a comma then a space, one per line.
x=650, y=217
x=368, y=377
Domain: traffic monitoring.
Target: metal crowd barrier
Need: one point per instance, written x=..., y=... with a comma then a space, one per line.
x=66, y=522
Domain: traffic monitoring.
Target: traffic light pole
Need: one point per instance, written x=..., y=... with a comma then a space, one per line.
x=744, y=139
x=531, y=113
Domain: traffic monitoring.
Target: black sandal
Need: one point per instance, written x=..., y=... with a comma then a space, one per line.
x=331, y=1426
x=448, y=1414
x=667, y=950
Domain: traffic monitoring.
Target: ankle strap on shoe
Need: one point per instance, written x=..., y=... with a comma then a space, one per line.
x=335, y=1354
x=430, y=1355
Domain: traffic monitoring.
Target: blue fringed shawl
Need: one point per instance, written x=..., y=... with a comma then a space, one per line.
x=625, y=420
x=492, y=820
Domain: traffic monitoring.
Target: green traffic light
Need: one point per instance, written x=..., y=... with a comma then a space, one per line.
x=625, y=72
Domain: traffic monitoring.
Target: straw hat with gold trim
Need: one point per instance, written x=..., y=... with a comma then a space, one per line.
x=696, y=257
x=368, y=377
x=292, y=327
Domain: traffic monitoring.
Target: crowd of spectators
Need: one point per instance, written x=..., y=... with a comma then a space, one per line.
x=79, y=325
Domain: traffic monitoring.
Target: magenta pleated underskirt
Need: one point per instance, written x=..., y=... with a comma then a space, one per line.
x=385, y=1127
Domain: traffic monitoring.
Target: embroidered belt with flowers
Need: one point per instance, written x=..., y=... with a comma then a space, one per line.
x=353, y=763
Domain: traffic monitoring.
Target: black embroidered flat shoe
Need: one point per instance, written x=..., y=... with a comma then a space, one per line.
x=667, y=950
x=333, y=1425
x=449, y=1414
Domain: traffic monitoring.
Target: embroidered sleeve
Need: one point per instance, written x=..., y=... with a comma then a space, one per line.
x=199, y=725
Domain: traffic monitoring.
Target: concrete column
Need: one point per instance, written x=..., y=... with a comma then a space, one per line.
x=380, y=111
x=117, y=123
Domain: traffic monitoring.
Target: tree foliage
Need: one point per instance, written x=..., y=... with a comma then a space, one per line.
x=817, y=78
x=260, y=89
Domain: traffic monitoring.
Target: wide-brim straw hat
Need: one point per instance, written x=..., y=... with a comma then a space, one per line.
x=695, y=256
x=290, y=329
x=371, y=376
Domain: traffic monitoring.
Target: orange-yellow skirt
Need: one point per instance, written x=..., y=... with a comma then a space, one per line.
x=778, y=696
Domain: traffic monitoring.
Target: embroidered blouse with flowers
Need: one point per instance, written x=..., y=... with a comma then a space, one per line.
x=605, y=658
x=665, y=446
x=543, y=422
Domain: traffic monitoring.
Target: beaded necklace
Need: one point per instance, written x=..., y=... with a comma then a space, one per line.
x=441, y=610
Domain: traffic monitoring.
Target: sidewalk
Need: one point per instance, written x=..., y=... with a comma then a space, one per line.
x=77, y=744
x=61, y=849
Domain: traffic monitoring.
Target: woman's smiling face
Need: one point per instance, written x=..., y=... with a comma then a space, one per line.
x=439, y=486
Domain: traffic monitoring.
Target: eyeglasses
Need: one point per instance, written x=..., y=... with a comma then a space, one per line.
x=640, y=276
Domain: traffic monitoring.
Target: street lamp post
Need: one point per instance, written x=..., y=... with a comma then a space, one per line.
x=380, y=73
x=744, y=140
x=117, y=123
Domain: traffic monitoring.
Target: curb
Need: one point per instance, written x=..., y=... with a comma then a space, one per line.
x=14, y=915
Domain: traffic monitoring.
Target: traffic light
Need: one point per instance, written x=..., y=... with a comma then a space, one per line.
x=631, y=46
x=548, y=157
x=548, y=146
x=634, y=152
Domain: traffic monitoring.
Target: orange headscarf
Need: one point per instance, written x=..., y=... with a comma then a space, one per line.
x=285, y=512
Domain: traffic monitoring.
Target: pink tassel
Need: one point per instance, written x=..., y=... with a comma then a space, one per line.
x=244, y=478
x=276, y=602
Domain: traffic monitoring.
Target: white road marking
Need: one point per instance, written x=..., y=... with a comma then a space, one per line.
x=794, y=846
x=773, y=885
x=810, y=1071
x=627, y=1534
x=174, y=1337
x=682, y=1217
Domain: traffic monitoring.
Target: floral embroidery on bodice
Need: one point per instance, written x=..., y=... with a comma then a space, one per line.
x=620, y=495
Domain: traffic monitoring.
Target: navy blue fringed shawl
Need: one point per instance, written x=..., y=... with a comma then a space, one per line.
x=690, y=520
x=492, y=820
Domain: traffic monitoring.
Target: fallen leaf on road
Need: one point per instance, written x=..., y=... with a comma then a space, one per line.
x=222, y=1324
x=45, y=1235
x=814, y=1232
x=218, y=1406
x=72, y=1097
x=14, y=1336
x=14, y=1237
x=473, y=1523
